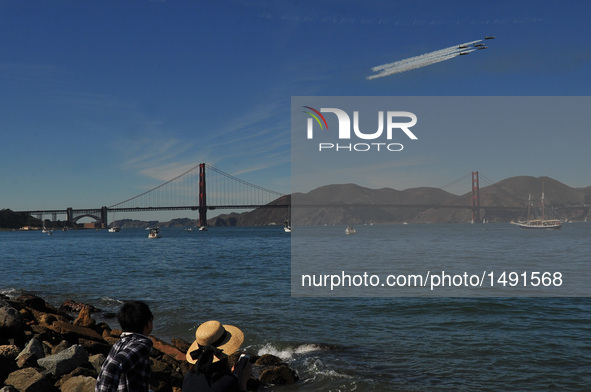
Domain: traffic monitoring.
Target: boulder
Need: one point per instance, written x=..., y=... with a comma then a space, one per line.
x=37, y=303
x=180, y=344
x=34, y=348
x=160, y=370
x=94, y=347
x=73, y=306
x=7, y=366
x=27, y=360
x=11, y=321
x=73, y=332
x=84, y=318
x=29, y=380
x=79, y=384
x=278, y=375
x=61, y=346
x=169, y=350
x=9, y=351
x=97, y=361
x=64, y=362
x=268, y=360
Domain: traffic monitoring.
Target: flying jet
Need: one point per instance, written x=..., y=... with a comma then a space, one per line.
x=482, y=47
x=463, y=53
x=462, y=46
x=489, y=37
x=477, y=45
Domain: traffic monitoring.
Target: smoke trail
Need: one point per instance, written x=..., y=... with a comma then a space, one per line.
x=414, y=65
x=416, y=58
x=421, y=60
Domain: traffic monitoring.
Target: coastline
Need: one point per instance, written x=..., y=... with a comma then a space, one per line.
x=47, y=348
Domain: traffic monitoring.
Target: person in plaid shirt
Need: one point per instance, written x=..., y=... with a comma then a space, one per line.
x=127, y=367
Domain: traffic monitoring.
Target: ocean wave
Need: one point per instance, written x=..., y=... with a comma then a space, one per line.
x=11, y=292
x=288, y=353
x=108, y=301
x=318, y=368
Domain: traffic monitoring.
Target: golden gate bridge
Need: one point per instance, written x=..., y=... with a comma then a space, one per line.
x=190, y=190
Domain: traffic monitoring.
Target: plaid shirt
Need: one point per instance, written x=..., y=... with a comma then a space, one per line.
x=127, y=367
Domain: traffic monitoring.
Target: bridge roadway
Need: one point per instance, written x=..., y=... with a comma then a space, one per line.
x=100, y=214
x=79, y=211
x=296, y=205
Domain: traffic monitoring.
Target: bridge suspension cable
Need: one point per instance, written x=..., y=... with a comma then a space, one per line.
x=223, y=190
x=466, y=177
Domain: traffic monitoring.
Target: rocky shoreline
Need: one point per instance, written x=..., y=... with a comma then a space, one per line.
x=43, y=348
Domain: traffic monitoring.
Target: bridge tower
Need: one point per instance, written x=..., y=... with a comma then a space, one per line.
x=103, y=221
x=70, y=217
x=475, y=198
x=202, y=197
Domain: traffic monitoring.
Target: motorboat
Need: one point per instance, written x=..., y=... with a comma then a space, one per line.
x=154, y=233
x=350, y=230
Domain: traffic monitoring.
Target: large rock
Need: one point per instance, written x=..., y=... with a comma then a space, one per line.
x=182, y=345
x=11, y=321
x=79, y=384
x=97, y=361
x=278, y=375
x=37, y=303
x=74, y=332
x=74, y=306
x=169, y=350
x=94, y=347
x=84, y=318
x=9, y=351
x=29, y=380
x=34, y=348
x=64, y=362
x=7, y=366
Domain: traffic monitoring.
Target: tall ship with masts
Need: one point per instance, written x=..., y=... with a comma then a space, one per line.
x=539, y=217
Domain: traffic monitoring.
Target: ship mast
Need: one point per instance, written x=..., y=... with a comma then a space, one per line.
x=529, y=207
x=543, y=212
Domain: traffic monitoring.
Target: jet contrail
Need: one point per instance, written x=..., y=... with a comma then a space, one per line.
x=414, y=65
x=423, y=60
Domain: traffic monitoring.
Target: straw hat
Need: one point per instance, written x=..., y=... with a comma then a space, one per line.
x=212, y=333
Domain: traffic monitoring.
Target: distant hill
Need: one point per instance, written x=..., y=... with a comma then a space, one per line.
x=330, y=205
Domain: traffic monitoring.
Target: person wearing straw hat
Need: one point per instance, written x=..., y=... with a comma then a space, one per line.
x=209, y=353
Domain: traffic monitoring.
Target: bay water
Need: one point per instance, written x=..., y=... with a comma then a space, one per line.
x=241, y=276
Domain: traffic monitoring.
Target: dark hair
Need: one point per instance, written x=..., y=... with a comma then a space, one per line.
x=133, y=316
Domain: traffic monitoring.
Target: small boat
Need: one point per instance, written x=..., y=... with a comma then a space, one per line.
x=287, y=227
x=350, y=230
x=538, y=217
x=154, y=233
x=203, y=228
x=114, y=229
x=189, y=229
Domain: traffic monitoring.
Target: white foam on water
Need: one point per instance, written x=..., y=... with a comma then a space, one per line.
x=288, y=353
x=305, y=359
x=11, y=292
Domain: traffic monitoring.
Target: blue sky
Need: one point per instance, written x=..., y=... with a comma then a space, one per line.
x=100, y=101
